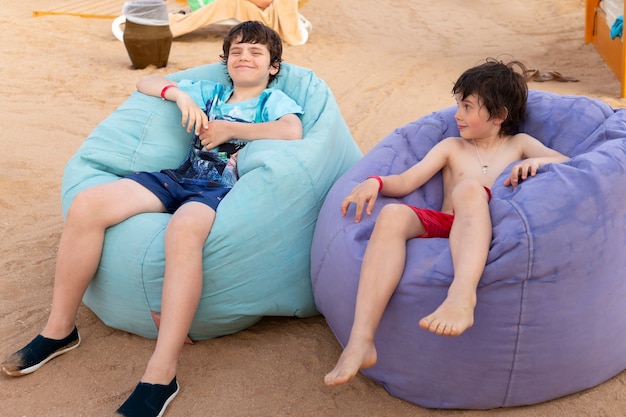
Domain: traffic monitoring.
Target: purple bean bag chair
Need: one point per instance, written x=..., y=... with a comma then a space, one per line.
x=551, y=313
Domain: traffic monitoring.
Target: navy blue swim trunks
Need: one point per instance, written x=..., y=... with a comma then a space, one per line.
x=173, y=194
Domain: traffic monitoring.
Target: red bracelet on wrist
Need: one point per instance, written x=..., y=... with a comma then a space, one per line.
x=165, y=89
x=380, y=181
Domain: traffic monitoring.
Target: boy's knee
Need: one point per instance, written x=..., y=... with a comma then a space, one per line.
x=83, y=205
x=391, y=211
x=395, y=216
x=468, y=190
x=189, y=227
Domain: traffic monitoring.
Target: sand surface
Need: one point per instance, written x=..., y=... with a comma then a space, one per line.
x=387, y=62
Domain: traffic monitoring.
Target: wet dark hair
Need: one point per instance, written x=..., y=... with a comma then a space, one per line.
x=500, y=89
x=255, y=32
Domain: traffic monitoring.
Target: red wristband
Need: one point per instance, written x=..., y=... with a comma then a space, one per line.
x=165, y=89
x=380, y=181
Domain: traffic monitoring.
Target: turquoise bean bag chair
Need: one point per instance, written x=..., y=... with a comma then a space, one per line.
x=551, y=312
x=257, y=257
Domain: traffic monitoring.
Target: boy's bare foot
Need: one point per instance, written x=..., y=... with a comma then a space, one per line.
x=451, y=318
x=353, y=358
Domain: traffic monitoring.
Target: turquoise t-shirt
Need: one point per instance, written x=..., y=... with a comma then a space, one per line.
x=206, y=167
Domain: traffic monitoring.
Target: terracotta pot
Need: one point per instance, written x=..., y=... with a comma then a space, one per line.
x=147, y=45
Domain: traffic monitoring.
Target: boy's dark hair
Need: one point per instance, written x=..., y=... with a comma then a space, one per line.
x=500, y=89
x=255, y=32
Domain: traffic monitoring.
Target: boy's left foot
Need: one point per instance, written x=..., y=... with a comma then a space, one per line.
x=149, y=400
x=356, y=356
x=38, y=352
x=449, y=319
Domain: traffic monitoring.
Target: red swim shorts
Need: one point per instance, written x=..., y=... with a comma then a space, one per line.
x=436, y=223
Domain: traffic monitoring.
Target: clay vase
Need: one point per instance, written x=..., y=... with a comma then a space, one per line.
x=147, y=45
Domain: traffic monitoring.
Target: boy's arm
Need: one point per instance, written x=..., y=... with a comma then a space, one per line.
x=152, y=85
x=193, y=117
x=288, y=127
x=536, y=155
x=365, y=194
x=413, y=178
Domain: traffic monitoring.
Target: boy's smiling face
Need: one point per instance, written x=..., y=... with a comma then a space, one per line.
x=249, y=64
x=473, y=119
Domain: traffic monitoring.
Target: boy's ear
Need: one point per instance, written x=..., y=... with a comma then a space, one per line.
x=274, y=67
x=501, y=116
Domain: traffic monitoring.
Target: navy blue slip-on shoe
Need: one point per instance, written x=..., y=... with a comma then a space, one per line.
x=39, y=351
x=149, y=400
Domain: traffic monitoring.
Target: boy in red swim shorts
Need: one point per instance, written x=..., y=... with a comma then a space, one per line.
x=491, y=100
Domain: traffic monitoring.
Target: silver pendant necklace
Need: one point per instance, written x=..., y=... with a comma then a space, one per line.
x=493, y=157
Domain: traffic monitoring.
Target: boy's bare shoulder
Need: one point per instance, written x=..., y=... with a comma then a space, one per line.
x=523, y=137
x=447, y=145
x=452, y=141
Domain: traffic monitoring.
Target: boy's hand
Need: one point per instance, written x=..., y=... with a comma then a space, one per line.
x=193, y=117
x=364, y=193
x=521, y=171
x=216, y=133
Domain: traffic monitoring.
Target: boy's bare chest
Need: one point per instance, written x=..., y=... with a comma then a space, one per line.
x=468, y=165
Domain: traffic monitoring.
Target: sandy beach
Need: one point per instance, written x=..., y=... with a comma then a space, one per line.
x=387, y=62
